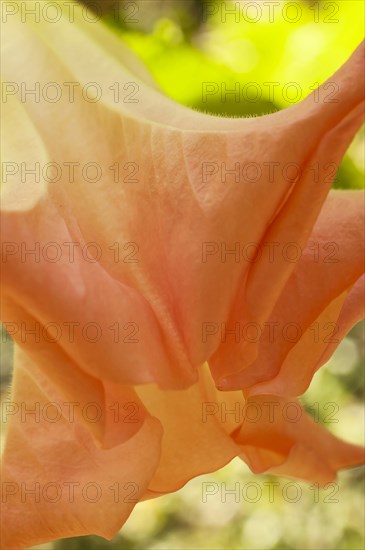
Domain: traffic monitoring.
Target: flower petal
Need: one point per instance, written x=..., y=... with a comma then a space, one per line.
x=78, y=488
x=196, y=431
x=170, y=212
x=306, y=318
x=284, y=440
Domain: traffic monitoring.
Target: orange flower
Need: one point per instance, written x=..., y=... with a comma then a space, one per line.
x=140, y=276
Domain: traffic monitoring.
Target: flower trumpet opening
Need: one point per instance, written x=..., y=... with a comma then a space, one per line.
x=125, y=290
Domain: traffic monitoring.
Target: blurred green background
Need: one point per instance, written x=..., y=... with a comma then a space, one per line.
x=186, y=43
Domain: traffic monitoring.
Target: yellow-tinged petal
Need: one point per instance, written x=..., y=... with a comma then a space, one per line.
x=196, y=428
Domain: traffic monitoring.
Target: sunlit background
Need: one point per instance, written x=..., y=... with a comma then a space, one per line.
x=245, y=45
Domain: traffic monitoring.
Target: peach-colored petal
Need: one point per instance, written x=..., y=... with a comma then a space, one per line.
x=280, y=438
x=77, y=388
x=196, y=429
x=80, y=488
x=306, y=317
x=326, y=332
x=160, y=202
x=352, y=312
x=293, y=224
x=168, y=214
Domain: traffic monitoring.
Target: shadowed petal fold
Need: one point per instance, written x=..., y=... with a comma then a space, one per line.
x=306, y=320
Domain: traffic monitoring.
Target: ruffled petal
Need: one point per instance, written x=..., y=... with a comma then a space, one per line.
x=78, y=487
x=196, y=426
x=278, y=437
